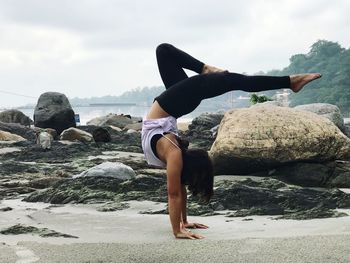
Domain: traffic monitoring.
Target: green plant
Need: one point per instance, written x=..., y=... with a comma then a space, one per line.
x=254, y=99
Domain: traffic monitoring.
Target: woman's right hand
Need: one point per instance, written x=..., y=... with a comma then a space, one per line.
x=183, y=233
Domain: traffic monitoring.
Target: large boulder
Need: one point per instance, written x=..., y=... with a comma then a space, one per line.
x=264, y=137
x=74, y=134
x=15, y=116
x=54, y=111
x=329, y=111
x=109, y=169
x=6, y=136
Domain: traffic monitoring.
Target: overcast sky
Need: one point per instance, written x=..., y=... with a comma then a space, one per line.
x=88, y=48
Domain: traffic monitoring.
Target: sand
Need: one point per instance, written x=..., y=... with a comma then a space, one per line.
x=127, y=236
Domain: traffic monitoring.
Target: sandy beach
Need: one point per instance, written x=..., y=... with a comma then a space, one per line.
x=128, y=236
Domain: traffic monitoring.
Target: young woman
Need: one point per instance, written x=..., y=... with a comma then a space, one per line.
x=162, y=146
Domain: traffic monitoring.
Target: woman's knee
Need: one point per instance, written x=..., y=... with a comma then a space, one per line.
x=164, y=48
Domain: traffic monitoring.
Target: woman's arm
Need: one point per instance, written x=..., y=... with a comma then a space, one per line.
x=175, y=203
x=185, y=223
x=184, y=204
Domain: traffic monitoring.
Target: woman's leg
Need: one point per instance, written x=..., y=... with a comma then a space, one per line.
x=183, y=97
x=171, y=62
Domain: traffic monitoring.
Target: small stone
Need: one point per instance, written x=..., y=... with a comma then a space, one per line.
x=5, y=209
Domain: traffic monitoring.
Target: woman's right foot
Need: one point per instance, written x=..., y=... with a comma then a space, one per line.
x=297, y=82
x=211, y=69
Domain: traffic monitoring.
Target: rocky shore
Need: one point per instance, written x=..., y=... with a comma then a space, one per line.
x=281, y=162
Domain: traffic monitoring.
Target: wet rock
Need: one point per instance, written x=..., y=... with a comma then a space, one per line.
x=8, y=168
x=261, y=137
x=6, y=136
x=101, y=135
x=245, y=197
x=154, y=212
x=59, y=153
x=45, y=182
x=329, y=111
x=269, y=196
x=111, y=207
x=328, y=174
x=6, y=209
x=98, y=189
x=43, y=232
x=53, y=110
x=18, y=129
x=74, y=134
x=109, y=169
x=15, y=116
x=263, y=210
x=316, y=212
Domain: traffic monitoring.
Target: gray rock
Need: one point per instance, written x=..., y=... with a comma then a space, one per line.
x=328, y=174
x=206, y=121
x=264, y=137
x=53, y=110
x=101, y=135
x=116, y=120
x=18, y=129
x=6, y=136
x=74, y=134
x=108, y=169
x=329, y=111
x=15, y=116
x=199, y=132
x=44, y=139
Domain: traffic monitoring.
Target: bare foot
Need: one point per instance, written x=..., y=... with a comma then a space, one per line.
x=297, y=82
x=210, y=69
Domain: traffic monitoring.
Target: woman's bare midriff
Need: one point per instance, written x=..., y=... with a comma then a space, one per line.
x=156, y=112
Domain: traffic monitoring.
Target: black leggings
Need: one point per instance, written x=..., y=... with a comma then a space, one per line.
x=183, y=94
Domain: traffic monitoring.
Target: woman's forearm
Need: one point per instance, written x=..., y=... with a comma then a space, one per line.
x=184, y=204
x=175, y=207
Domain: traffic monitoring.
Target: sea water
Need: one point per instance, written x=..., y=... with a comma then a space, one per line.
x=86, y=113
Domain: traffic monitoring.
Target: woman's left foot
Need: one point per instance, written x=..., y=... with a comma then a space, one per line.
x=211, y=69
x=297, y=82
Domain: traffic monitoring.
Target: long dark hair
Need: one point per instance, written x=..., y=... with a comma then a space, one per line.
x=197, y=171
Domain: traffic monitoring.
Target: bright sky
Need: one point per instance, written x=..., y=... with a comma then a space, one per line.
x=91, y=48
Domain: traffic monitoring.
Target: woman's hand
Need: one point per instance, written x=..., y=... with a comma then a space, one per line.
x=193, y=225
x=187, y=235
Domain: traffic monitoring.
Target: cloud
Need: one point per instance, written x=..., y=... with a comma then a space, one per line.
x=99, y=47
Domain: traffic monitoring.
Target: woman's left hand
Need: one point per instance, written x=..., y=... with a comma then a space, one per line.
x=194, y=225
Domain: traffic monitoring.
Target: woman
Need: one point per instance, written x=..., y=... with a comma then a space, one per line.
x=162, y=146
